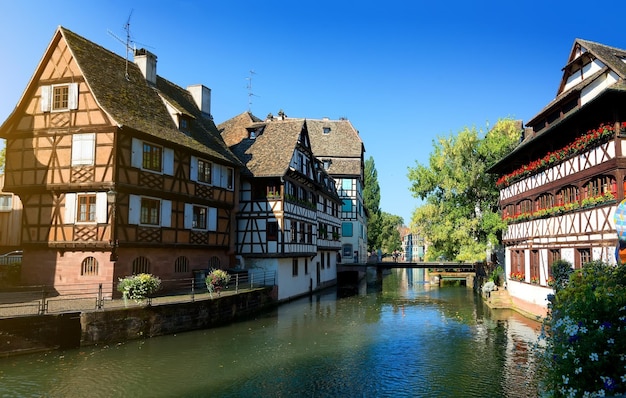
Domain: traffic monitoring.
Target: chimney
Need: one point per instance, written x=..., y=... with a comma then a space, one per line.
x=146, y=61
x=202, y=95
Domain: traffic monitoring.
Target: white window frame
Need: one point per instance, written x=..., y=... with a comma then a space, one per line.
x=6, y=202
x=134, y=211
x=211, y=218
x=47, y=97
x=71, y=208
x=83, y=149
x=167, y=157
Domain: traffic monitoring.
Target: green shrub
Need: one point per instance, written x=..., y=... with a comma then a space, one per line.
x=561, y=270
x=585, y=350
x=139, y=287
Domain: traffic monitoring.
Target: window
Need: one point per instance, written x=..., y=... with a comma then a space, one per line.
x=214, y=262
x=141, y=265
x=294, y=267
x=150, y=211
x=83, y=149
x=294, y=231
x=152, y=157
x=89, y=267
x=553, y=256
x=346, y=229
x=567, y=195
x=306, y=266
x=181, y=265
x=272, y=230
x=86, y=208
x=328, y=260
x=326, y=130
x=347, y=206
x=347, y=251
x=583, y=256
x=302, y=232
x=204, y=171
x=273, y=192
x=59, y=97
x=326, y=164
x=6, y=202
x=199, y=217
x=517, y=262
x=153, y=211
x=544, y=201
x=322, y=263
x=534, y=266
x=309, y=233
x=346, y=184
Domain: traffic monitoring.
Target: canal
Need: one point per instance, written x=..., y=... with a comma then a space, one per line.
x=409, y=340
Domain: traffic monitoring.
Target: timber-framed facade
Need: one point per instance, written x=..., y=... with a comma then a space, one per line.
x=559, y=188
x=119, y=171
x=288, y=219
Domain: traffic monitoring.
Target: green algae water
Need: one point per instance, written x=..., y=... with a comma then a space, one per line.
x=409, y=339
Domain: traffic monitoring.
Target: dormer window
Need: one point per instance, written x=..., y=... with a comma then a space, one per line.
x=253, y=133
x=326, y=130
x=183, y=124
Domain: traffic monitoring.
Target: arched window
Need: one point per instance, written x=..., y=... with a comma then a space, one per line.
x=544, y=201
x=89, y=267
x=525, y=207
x=181, y=264
x=567, y=194
x=508, y=211
x=141, y=265
x=214, y=262
x=599, y=185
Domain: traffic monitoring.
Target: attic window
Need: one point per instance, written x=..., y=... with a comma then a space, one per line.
x=326, y=130
x=253, y=133
x=59, y=97
x=326, y=164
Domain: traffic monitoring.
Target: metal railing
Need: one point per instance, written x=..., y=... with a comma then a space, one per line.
x=39, y=300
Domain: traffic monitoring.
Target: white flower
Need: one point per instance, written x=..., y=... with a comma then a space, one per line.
x=578, y=370
x=610, y=341
x=565, y=379
x=593, y=356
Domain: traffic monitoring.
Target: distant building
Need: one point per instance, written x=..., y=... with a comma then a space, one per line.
x=413, y=247
x=559, y=187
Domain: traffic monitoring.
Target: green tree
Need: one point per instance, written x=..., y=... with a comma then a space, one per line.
x=2, y=158
x=460, y=217
x=371, y=201
x=389, y=237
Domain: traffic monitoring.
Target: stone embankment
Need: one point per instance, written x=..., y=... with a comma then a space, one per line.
x=501, y=299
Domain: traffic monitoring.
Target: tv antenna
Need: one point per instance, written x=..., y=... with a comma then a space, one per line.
x=129, y=44
x=249, y=87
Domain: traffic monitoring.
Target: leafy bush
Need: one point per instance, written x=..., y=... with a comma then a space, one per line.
x=139, y=287
x=585, y=350
x=561, y=270
x=495, y=275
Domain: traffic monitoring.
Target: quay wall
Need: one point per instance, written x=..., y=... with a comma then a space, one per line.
x=76, y=329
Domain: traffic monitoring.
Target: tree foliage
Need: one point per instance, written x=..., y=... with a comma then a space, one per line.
x=460, y=216
x=2, y=159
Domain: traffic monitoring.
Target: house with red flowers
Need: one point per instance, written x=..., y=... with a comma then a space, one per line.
x=559, y=187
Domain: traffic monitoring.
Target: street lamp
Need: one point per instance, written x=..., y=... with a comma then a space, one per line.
x=111, y=199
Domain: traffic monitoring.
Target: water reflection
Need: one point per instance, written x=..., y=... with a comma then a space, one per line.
x=408, y=339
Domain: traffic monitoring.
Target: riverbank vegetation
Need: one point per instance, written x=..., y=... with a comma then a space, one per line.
x=584, y=354
x=460, y=217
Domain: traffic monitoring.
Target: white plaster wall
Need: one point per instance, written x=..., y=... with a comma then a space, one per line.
x=530, y=293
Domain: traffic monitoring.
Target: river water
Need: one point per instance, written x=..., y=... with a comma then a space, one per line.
x=409, y=340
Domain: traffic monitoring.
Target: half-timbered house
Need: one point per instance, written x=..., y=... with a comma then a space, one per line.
x=339, y=147
x=119, y=170
x=559, y=187
x=288, y=219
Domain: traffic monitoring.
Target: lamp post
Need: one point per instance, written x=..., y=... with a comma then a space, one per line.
x=111, y=201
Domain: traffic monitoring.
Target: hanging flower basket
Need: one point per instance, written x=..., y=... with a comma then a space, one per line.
x=216, y=280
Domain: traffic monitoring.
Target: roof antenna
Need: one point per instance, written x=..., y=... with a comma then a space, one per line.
x=128, y=43
x=249, y=87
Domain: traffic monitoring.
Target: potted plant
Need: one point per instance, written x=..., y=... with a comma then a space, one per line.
x=138, y=287
x=216, y=280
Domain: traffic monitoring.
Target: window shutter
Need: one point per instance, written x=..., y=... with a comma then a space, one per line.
x=83, y=149
x=72, y=100
x=188, y=215
x=45, y=98
x=134, y=209
x=212, y=221
x=136, y=158
x=70, y=208
x=166, y=213
x=216, y=175
x=101, y=207
x=193, y=169
x=168, y=161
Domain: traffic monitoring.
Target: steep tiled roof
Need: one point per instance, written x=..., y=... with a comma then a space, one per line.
x=132, y=103
x=342, y=140
x=236, y=129
x=269, y=154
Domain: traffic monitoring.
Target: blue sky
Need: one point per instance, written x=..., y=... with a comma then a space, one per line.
x=403, y=72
